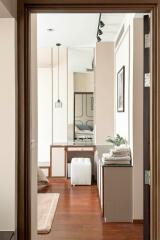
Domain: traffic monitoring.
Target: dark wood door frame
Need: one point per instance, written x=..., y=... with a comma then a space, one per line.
x=25, y=7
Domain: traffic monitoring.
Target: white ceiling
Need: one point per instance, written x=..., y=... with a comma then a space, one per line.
x=76, y=30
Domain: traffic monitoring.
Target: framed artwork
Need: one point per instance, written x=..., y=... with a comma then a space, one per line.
x=121, y=90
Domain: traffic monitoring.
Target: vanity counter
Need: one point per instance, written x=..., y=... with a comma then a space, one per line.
x=61, y=155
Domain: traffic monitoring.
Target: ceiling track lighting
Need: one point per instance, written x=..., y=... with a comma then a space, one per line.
x=101, y=24
x=99, y=39
x=99, y=31
x=58, y=103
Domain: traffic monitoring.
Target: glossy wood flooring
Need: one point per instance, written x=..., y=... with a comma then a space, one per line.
x=78, y=217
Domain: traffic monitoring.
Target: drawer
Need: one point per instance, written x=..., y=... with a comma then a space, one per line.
x=86, y=149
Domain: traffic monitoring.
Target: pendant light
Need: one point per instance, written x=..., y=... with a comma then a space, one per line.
x=58, y=103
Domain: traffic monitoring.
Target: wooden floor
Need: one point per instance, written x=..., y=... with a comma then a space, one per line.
x=78, y=217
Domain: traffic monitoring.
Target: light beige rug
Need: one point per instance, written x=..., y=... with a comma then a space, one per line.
x=47, y=204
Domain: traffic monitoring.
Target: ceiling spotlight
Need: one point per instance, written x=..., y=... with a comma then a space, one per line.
x=98, y=38
x=50, y=29
x=100, y=32
x=101, y=24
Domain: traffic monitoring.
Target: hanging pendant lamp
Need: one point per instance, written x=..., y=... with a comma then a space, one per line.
x=58, y=103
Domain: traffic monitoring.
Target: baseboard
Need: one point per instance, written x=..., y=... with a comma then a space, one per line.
x=138, y=221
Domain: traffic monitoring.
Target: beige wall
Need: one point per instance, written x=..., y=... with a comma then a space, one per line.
x=137, y=119
x=7, y=126
x=10, y=6
x=130, y=54
x=34, y=126
x=104, y=91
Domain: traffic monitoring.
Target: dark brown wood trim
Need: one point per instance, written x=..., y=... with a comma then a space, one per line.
x=138, y=221
x=91, y=2
x=90, y=8
x=26, y=6
x=24, y=186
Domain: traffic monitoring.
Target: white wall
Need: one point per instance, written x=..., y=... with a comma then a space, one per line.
x=122, y=58
x=104, y=92
x=84, y=82
x=80, y=59
x=44, y=114
x=60, y=115
x=7, y=126
x=46, y=100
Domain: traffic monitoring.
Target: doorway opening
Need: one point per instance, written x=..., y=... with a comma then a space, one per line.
x=87, y=98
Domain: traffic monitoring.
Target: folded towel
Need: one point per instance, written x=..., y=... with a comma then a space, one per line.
x=120, y=154
x=127, y=158
x=41, y=178
x=118, y=150
x=117, y=162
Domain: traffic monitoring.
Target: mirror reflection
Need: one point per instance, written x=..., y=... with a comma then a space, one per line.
x=81, y=94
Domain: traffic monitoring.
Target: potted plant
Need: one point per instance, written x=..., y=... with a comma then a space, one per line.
x=117, y=140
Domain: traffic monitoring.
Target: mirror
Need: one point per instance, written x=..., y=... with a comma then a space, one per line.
x=81, y=94
x=83, y=116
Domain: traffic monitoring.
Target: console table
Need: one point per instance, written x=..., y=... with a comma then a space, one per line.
x=61, y=155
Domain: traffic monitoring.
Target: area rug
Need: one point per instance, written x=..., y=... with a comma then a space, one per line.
x=47, y=204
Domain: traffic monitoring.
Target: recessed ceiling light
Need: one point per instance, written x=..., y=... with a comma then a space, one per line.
x=50, y=29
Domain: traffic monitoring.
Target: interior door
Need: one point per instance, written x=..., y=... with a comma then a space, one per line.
x=146, y=127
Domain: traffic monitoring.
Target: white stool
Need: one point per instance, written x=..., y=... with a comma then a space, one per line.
x=81, y=171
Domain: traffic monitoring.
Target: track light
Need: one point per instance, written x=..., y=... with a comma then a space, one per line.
x=98, y=38
x=100, y=32
x=101, y=24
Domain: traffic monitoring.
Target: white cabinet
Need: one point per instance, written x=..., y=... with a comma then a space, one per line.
x=115, y=192
x=58, y=161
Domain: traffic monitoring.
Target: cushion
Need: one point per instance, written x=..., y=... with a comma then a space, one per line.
x=82, y=127
x=42, y=179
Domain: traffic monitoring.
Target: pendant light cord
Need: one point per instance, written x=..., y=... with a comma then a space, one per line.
x=58, y=72
x=52, y=88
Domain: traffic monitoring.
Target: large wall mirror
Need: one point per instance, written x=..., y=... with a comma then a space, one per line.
x=81, y=94
x=83, y=116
